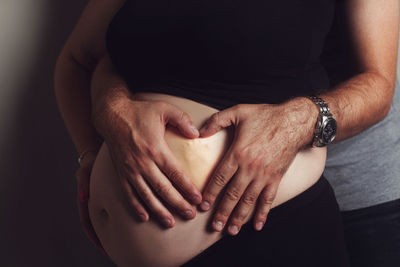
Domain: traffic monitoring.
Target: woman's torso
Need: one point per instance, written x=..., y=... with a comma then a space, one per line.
x=127, y=241
x=219, y=53
x=222, y=52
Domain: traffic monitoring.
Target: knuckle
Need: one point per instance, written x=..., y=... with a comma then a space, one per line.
x=162, y=189
x=273, y=177
x=250, y=199
x=184, y=116
x=255, y=164
x=214, y=118
x=277, y=178
x=132, y=179
x=237, y=107
x=210, y=196
x=233, y=194
x=174, y=174
x=268, y=199
x=161, y=104
x=266, y=171
x=152, y=151
x=219, y=179
x=127, y=165
x=240, y=153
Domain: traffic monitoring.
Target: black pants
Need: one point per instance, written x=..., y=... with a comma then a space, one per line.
x=304, y=231
x=373, y=235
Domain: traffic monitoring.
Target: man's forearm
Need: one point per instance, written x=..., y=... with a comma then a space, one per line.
x=359, y=103
x=72, y=89
x=107, y=85
x=356, y=104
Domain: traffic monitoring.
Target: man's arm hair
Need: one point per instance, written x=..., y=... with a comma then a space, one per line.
x=366, y=97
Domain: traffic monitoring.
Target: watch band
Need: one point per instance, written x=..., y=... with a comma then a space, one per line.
x=323, y=135
x=323, y=106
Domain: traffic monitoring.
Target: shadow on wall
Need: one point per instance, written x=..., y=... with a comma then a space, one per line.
x=39, y=216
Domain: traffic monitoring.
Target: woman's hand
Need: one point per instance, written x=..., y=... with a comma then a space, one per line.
x=267, y=138
x=83, y=180
x=134, y=133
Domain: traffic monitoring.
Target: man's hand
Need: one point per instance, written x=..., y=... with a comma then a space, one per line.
x=83, y=180
x=267, y=138
x=134, y=133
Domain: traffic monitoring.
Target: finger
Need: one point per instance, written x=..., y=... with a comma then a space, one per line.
x=230, y=199
x=86, y=223
x=152, y=202
x=267, y=197
x=220, y=177
x=181, y=120
x=218, y=121
x=166, y=190
x=83, y=182
x=244, y=207
x=173, y=170
x=133, y=200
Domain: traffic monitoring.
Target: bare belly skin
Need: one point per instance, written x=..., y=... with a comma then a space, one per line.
x=132, y=243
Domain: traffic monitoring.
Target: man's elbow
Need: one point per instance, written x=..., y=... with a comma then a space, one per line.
x=388, y=86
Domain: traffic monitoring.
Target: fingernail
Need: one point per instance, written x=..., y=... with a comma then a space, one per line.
x=196, y=199
x=205, y=205
x=218, y=225
x=194, y=129
x=259, y=226
x=167, y=222
x=82, y=197
x=188, y=214
x=233, y=229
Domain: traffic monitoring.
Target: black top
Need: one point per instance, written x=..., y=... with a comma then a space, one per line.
x=222, y=52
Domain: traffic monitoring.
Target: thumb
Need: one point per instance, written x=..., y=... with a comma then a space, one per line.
x=180, y=120
x=217, y=121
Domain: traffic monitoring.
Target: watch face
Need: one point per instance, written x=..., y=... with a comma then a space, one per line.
x=329, y=130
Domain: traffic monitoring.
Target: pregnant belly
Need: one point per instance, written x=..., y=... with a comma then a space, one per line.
x=132, y=243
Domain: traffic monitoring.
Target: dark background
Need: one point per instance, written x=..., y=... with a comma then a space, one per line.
x=39, y=220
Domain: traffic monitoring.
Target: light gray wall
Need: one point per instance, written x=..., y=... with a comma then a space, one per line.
x=39, y=223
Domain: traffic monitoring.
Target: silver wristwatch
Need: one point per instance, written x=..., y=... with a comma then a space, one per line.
x=326, y=126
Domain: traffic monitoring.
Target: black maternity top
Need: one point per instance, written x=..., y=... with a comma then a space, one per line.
x=225, y=52
x=222, y=52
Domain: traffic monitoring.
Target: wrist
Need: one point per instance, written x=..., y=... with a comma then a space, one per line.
x=105, y=108
x=326, y=126
x=87, y=156
x=303, y=115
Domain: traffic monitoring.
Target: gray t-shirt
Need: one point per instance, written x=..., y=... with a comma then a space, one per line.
x=364, y=170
